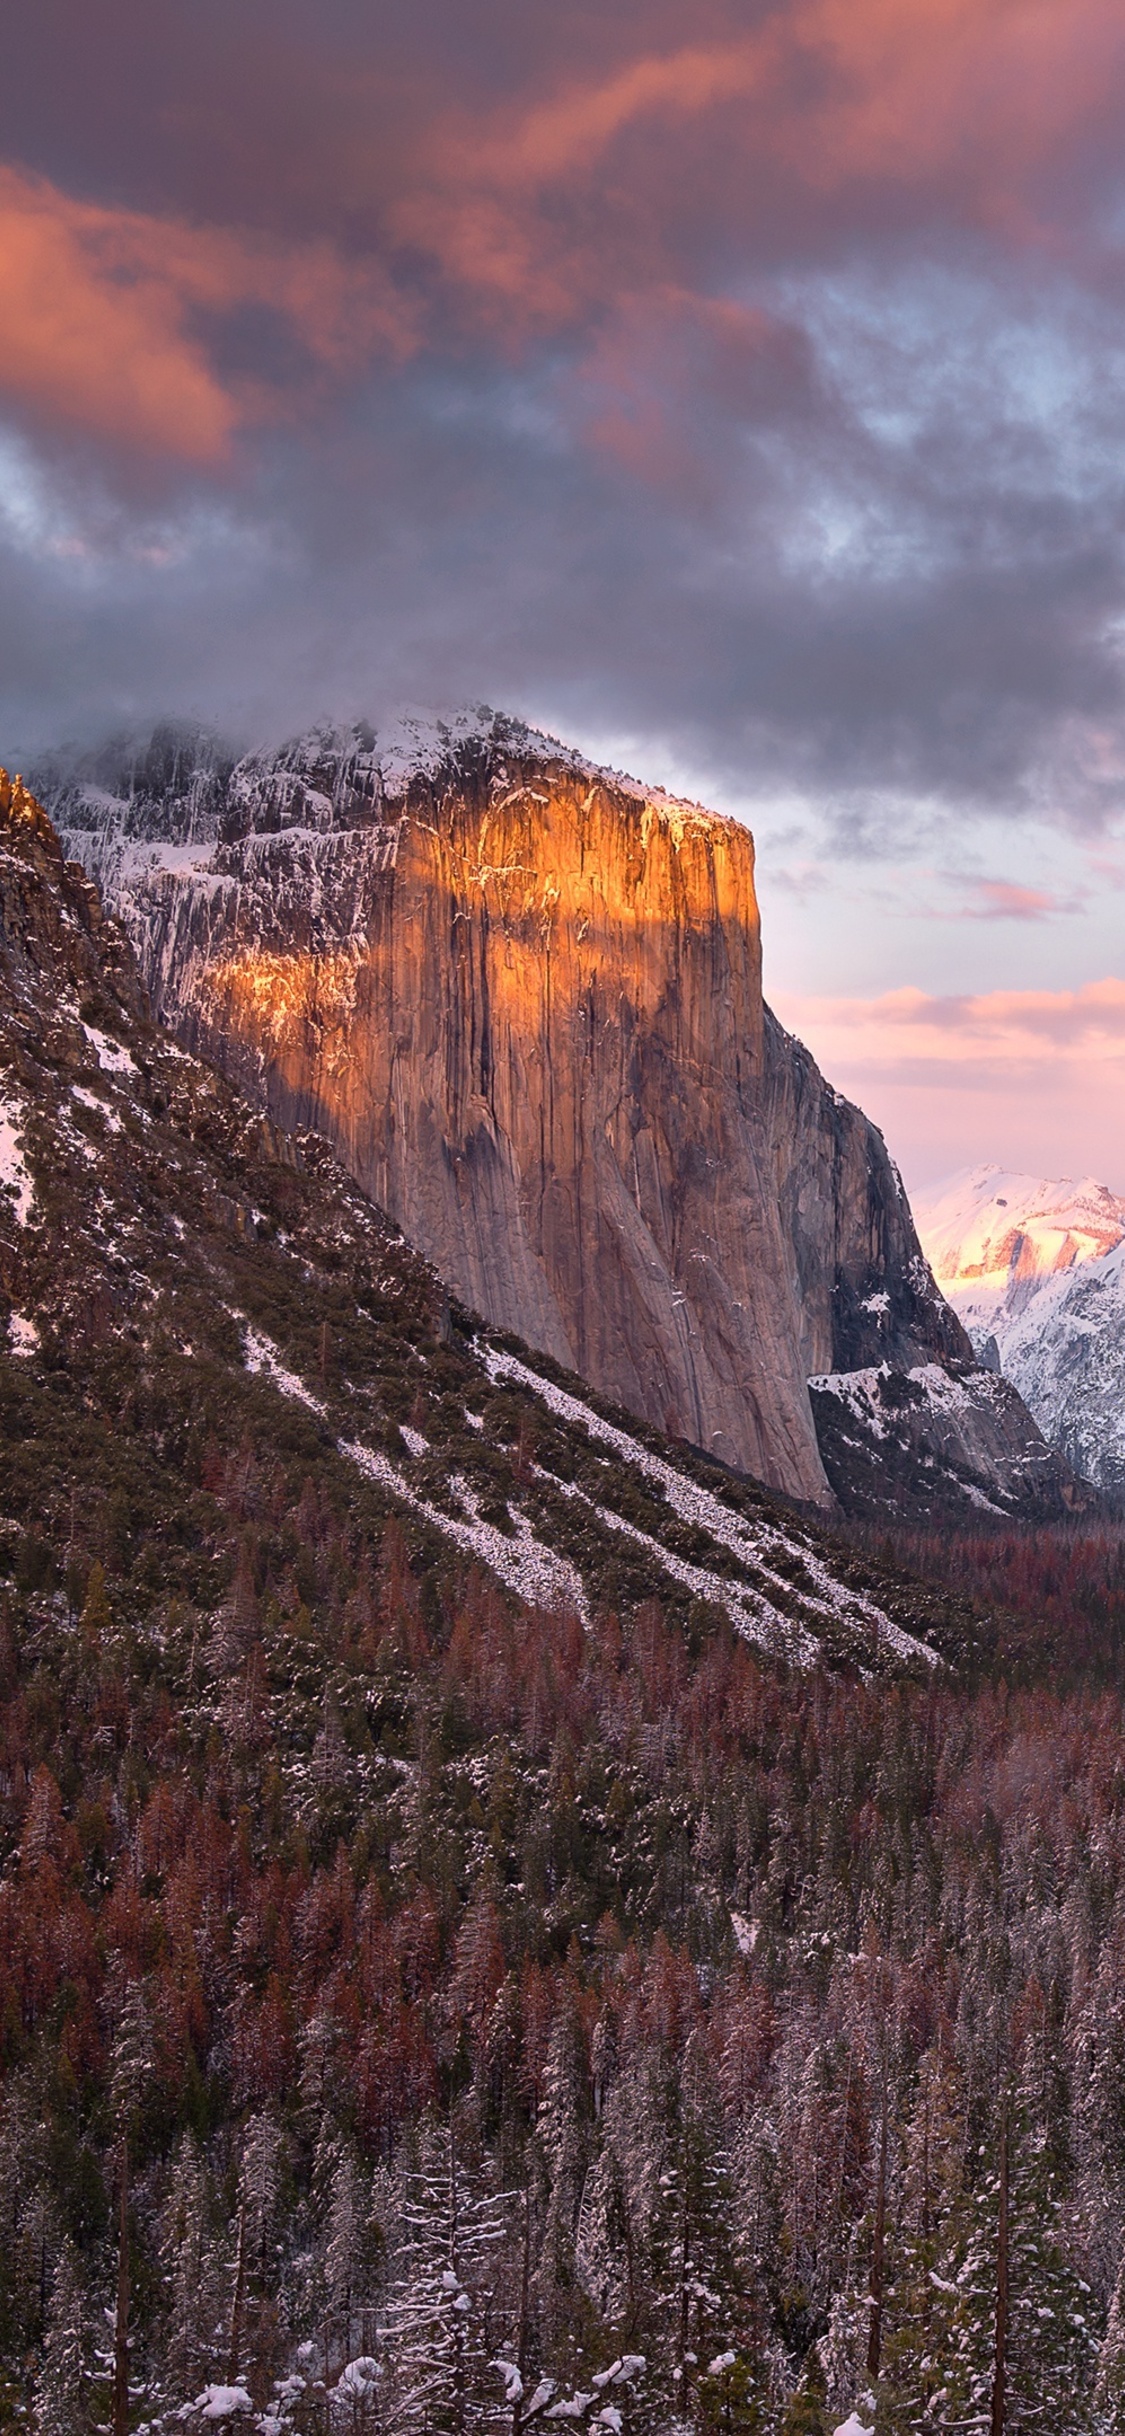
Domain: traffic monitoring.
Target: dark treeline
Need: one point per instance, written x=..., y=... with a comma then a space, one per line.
x=416, y=2015
x=1056, y=1595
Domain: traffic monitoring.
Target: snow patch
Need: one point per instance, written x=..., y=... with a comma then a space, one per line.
x=90, y=1100
x=111, y=1057
x=537, y=1574
x=760, y=1544
x=14, y=1176
x=23, y=1335
x=264, y=1359
x=222, y=2401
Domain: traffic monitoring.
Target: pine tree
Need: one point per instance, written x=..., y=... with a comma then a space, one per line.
x=448, y=2309
x=257, y=2199
x=60, y=2408
x=131, y=2071
x=563, y=2141
x=1110, y=2385
x=1020, y=2341
x=196, y=2280
x=349, y=2242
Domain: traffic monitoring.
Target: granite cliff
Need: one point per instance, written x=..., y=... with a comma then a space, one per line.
x=521, y=997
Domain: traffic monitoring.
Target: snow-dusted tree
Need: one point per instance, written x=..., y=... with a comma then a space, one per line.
x=351, y=2241
x=922, y=2249
x=130, y=2076
x=450, y=2306
x=28, y=2210
x=563, y=2140
x=257, y=2201
x=1110, y=2387
x=703, y=2296
x=196, y=2276
x=1019, y=2345
x=61, y=2407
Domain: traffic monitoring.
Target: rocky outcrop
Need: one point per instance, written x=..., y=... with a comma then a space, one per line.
x=521, y=997
x=52, y=921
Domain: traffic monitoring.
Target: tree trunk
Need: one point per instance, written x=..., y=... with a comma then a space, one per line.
x=878, y=2247
x=525, y=2297
x=121, y=2313
x=999, y=2419
x=238, y=2304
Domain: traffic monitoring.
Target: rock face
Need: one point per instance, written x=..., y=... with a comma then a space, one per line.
x=863, y=1292
x=522, y=999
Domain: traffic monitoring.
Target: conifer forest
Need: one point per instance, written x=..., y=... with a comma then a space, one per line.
x=594, y=2028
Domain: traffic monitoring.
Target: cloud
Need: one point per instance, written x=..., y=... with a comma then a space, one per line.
x=1021, y=1076
x=104, y=315
x=1008, y=1027
x=749, y=386
x=1006, y=900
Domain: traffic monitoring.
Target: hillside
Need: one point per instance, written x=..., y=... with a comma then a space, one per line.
x=494, y=1910
x=521, y=998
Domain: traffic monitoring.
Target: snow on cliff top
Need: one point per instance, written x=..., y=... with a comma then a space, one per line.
x=322, y=777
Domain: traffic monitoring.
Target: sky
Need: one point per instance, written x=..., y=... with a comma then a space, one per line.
x=735, y=389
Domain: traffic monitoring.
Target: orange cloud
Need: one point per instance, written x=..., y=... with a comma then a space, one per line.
x=104, y=314
x=530, y=215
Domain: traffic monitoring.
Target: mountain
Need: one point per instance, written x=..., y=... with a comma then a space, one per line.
x=1035, y=1268
x=178, y=1272
x=495, y=1910
x=521, y=997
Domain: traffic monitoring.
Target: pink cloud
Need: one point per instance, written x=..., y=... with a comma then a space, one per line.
x=1006, y=1024
x=557, y=200
x=104, y=315
x=1029, y=1077
x=1004, y=899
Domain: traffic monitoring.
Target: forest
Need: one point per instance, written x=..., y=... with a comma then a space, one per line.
x=423, y=2014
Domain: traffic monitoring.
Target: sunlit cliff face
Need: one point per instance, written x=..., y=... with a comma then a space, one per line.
x=541, y=1050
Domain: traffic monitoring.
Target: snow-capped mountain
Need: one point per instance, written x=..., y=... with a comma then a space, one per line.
x=1035, y=1267
x=521, y=998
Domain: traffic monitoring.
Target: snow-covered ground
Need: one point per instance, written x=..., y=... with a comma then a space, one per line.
x=786, y=1564
x=765, y=1549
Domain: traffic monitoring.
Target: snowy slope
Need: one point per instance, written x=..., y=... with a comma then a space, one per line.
x=1037, y=1265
